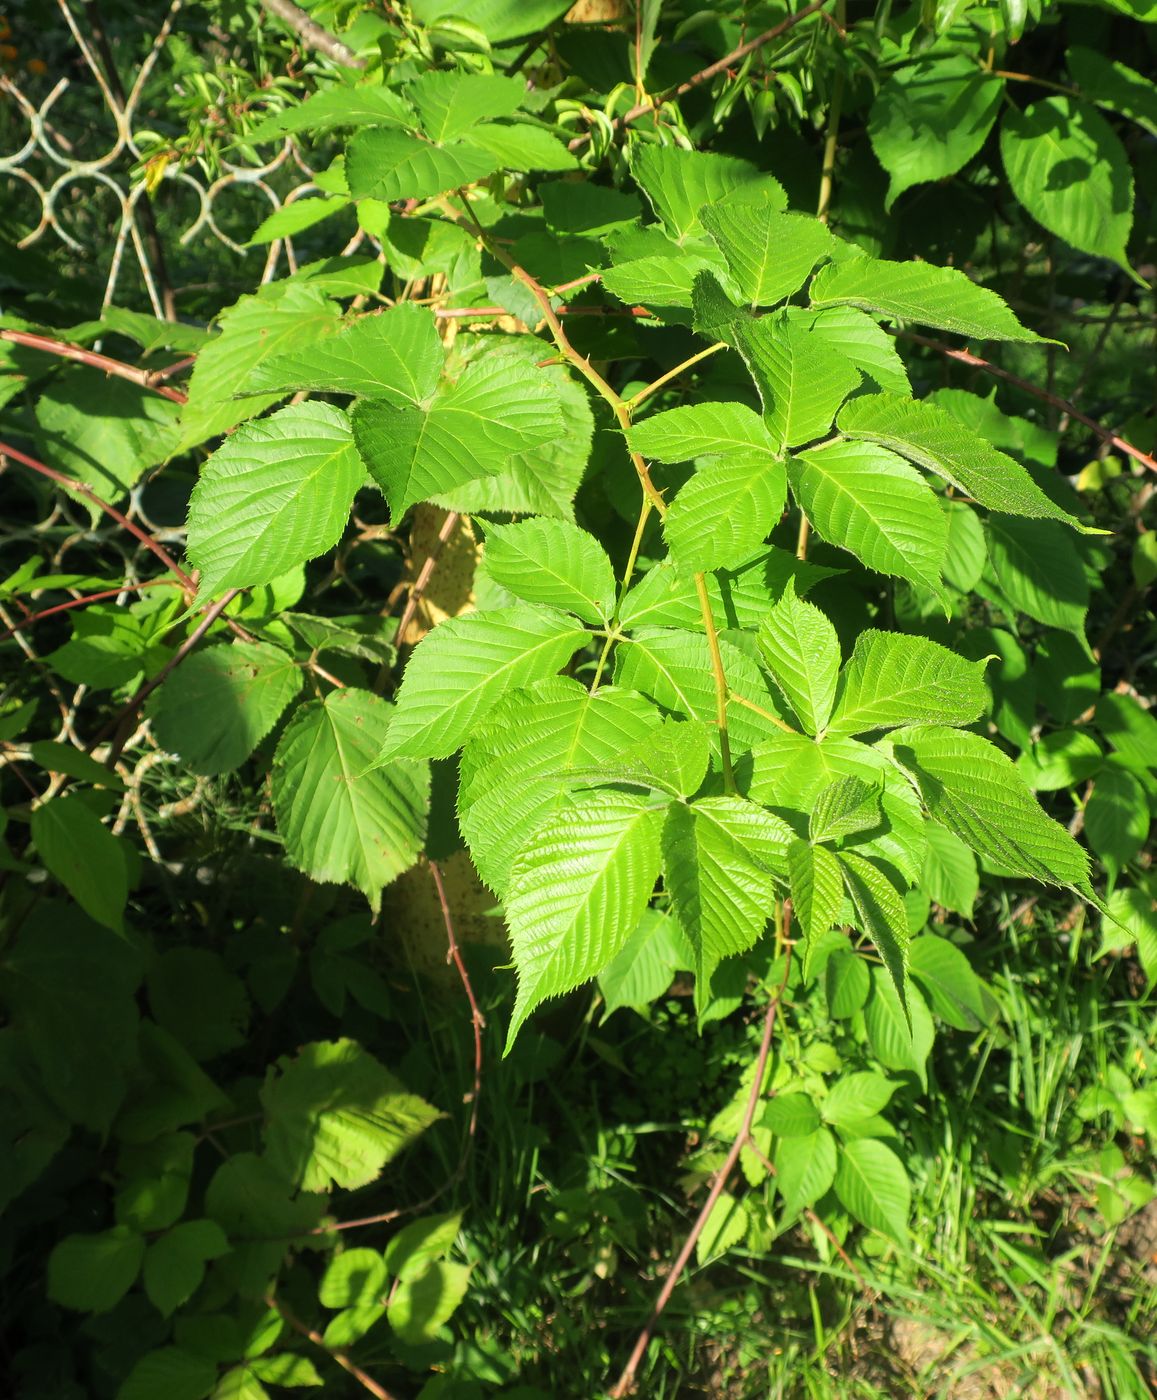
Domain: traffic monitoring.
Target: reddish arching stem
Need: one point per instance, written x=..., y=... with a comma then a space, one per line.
x=711, y=71
x=626, y=1380
x=477, y=1020
x=311, y=1334
x=83, y=489
x=33, y=618
x=61, y=348
x=966, y=357
x=121, y=726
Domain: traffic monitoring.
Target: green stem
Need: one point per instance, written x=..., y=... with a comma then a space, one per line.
x=762, y=713
x=831, y=143
x=720, y=680
x=645, y=393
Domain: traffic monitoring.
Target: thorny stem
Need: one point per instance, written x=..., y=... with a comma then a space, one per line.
x=421, y=583
x=365, y=1380
x=966, y=357
x=477, y=1020
x=722, y=1176
x=34, y=618
x=82, y=489
x=312, y=34
x=147, y=379
x=706, y=74
x=121, y=727
x=831, y=142
x=720, y=680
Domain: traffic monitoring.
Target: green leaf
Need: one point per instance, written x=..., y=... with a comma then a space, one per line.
x=967, y=552
x=662, y=281
x=956, y=993
x=229, y=698
x=295, y=218
x=1069, y=676
x=499, y=407
x=940, y=442
x=847, y=983
x=645, y=966
x=949, y=878
x=1111, y=84
x=461, y=669
x=389, y=165
x=92, y=1273
x=801, y=650
x=880, y=913
x=893, y=679
x=723, y=1229
x=63, y=758
x=343, y=815
x=333, y=108
x=1130, y=729
x=175, y=1264
x=859, y=339
x=855, y=1097
x=1069, y=169
x=667, y=597
x=554, y=562
x=335, y=1116
x=847, y=807
x=355, y=1278
x=577, y=892
x=678, y=183
x=521, y=146
x=1117, y=818
x=700, y=430
x=790, y=1115
x=172, y=1372
x=275, y=494
x=1061, y=759
x=104, y=431
x=450, y=104
x=930, y=118
x=873, y=504
x=805, y=1168
x=900, y=1037
x=543, y=479
x=674, y=668
x=282, y=319
x=1039, y=571
x=514, y=769
x=393, y=355
x=286, y=1369
x=721, y=891
x=916, y=291
x=499, y=20
x=770, y=254
x=972, y=788
x=88, y=860
x=801, y=379
x=69, y=987
x=673, y=759
x=418, y=1244
x=156, y=1177
x=572, y=207
x=240, y=1384
x=725, y=511
x=873, y=1187
x=816, y=893
x=420, y=1307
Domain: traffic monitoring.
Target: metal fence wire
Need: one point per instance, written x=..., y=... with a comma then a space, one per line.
x=63, y=189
